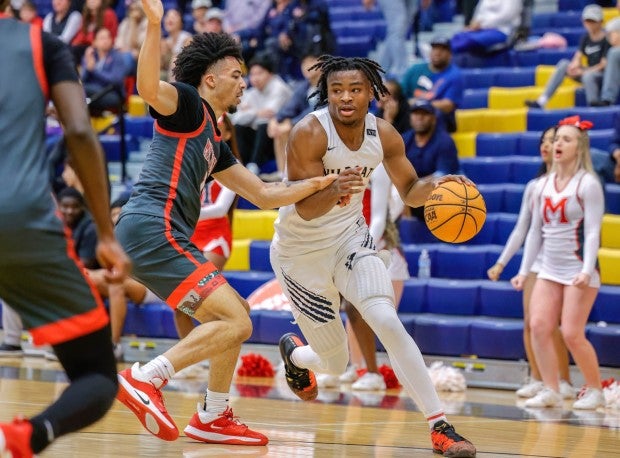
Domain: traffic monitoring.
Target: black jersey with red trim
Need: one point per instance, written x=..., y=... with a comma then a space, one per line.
x=186, y=149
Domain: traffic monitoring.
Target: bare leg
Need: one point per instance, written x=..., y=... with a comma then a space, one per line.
x=545, y=310
x=577, y=305
x=225, y=325
x=527, y=336
x=118, y=311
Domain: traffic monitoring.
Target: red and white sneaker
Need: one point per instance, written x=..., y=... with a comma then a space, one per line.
x=225, y=429
x=147, y=403
x=15, y=439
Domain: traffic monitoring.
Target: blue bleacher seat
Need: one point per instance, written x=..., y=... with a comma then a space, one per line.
x=111, y=144
x=504, y=224
x=496, y=144
x=600, y=138
x=567, y=18
x=553, y=56
x=513, y=195
x=612, y=198
x=453, y=297
x=459, y=261
x=515, y=76
x=148, y=320
x=500, y=299
x=255, y=316
x=605, y=342
x=475, y=98
x=485, y=236
x=414, y=296
x=524, y=168
x=273, y=324
x=442, y=335
x=478, y=78
x=493, y=195
x=571, y=34
x=414, y=230
x=245, y=282
x=497, y=338
x=607, y=305
x=259, y=256
x=529, y=143
x=572, y=5
x=525, y=58
x=602, y=117
x=139, y=126
x=486, y=169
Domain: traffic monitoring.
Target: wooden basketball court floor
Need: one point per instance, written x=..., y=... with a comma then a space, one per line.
x=339, y=423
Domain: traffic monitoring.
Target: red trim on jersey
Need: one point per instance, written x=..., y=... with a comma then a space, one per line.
x=191, y=283
x=195, y=133
x=78, y=325
x=36, y=42
x=174, y=182
x=216, y=137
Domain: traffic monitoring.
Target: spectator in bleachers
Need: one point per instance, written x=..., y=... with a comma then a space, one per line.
x=28, y=13
x=428, y=145
x=394, y=107
x=212, y=21
x=95, y=15
x=534, y=383
x=131, y=33
x=399, y=16
x=103, y=73
x=614, y=150
x=242, y=18
x=176, y=37
x=611, y=76
x=62, y=21
x=295, y=108
x=267, y=93
x=593, y=47
x=199, y=9
x=494, y=23
x=439, y=80
x=311, y=31
x=566, y=224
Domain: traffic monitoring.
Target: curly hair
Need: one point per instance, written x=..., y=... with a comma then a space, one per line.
x=328, y=64
x=202, y=52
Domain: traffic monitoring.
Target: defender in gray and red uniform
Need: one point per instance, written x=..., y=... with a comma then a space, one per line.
x=157, y=223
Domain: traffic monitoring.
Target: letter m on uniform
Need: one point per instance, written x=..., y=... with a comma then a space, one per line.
x=550, y=209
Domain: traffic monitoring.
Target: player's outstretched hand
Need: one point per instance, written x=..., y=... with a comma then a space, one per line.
x=113, y=259
x=154, y=10
x=459, y=178
x=324, y=181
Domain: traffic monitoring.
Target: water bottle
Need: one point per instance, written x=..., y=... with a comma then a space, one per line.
x=424, y=265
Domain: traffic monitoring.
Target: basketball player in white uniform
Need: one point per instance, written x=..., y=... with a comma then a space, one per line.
x=322, y=247
x=514, y=242
x=566, y=223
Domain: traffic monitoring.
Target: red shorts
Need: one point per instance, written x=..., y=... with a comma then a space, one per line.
x=213, y=236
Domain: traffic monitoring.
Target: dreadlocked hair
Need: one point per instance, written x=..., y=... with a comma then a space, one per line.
x=204, y=50
x=330, y=64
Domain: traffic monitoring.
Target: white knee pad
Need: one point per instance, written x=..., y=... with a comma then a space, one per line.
x=369, y=278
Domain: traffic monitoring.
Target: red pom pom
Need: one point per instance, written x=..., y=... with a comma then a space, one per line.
x=391, y=381
x=255, y=365
x=607, y=382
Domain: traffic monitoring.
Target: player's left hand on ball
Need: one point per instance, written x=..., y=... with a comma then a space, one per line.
x=458, y=178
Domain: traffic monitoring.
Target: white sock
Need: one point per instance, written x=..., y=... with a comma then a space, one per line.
x=158, y=371
x=215, y=404
x=432, y=419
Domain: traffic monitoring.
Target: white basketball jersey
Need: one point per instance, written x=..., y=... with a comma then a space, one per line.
x=562, y=213
x=295, y=235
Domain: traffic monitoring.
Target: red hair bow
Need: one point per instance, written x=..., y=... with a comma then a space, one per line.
x=577, y=122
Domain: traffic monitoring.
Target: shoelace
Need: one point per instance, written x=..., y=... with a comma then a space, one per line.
x=228, y=414
x=160, y=397
x=448, y=431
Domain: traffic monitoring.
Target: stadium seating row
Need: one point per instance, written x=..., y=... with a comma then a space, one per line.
x=438, y=313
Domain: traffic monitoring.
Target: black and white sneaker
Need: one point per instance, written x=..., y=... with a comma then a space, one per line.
x=10, y=351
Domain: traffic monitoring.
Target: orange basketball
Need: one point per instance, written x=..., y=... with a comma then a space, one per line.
x=455, y=212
